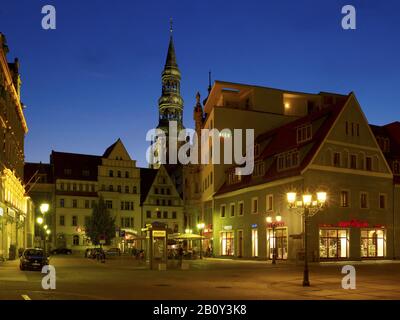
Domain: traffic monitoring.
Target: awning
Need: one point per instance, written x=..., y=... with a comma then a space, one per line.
x=186, y=236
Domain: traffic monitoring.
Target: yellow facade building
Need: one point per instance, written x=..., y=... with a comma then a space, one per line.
x=16, y=210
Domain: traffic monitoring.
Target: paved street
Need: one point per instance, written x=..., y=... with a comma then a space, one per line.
x=124, y=278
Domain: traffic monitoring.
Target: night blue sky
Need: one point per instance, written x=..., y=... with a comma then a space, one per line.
x=97, y=77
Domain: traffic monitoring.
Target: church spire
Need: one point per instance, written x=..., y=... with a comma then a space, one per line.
x=170, y=103
x=171, y=56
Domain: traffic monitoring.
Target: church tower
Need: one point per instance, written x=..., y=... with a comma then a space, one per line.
x=170, y=104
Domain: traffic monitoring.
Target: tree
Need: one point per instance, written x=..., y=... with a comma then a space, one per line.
x=100, y=225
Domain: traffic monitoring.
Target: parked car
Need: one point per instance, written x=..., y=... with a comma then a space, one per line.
x=33, y=258
x=61, y=251
x=113, y=252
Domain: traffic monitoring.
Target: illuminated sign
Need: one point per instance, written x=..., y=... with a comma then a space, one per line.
x=354, y=223
x=228, y=228
x=254, y=225
x=159, y=233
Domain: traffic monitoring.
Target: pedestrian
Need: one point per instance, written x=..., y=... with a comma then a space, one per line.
x=180, y=254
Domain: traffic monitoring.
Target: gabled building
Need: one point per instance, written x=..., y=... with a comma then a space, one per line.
x=160, y=201
x=310, y=143
x=78, y=180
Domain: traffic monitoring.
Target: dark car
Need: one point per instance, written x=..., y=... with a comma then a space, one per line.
x=33, y=258
x=61, y=251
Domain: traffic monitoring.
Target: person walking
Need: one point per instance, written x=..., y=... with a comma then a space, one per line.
x=180, y=254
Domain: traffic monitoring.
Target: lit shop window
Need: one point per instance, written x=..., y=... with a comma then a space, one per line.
x=254, y=243
x=279, y=242
x=373, y=243
x=227, y=243
x=334, y=243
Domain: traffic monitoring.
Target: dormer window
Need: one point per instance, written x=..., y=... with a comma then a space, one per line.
x=288, y=160
x=304, y=133
x=259, y=169
x=256, y=150
x=85, y=173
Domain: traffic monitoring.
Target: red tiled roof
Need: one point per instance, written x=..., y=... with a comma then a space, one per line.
x=283, y=139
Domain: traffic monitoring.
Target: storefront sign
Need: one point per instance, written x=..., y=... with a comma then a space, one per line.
x=347, y=224
x=254, y=225
x=228, y=228
x=159, y=233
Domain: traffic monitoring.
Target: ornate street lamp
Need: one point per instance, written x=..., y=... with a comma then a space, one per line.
x=201, y=226
x=273, y=224
x=307, y=207
x=44, y=208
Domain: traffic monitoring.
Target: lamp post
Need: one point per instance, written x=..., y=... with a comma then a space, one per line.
x=44, y=208
x=273, y=225
x=308, y=208
x=39, y=221
x=201, y=226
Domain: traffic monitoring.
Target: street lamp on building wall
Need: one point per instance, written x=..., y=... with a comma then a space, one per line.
x=307, y=207
x=201, y=226
x=273, y=224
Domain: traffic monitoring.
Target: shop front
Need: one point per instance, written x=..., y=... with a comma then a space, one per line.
x=353, y=239
x=277, y=239
x=333, y=243
x=373, y=243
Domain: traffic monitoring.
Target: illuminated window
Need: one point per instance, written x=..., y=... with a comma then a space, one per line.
x=254, y=242
x=227, y=244
x=373, y=243
x=344, y=199
x=334, y=243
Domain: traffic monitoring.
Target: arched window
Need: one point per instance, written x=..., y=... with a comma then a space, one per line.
x=75, y=240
